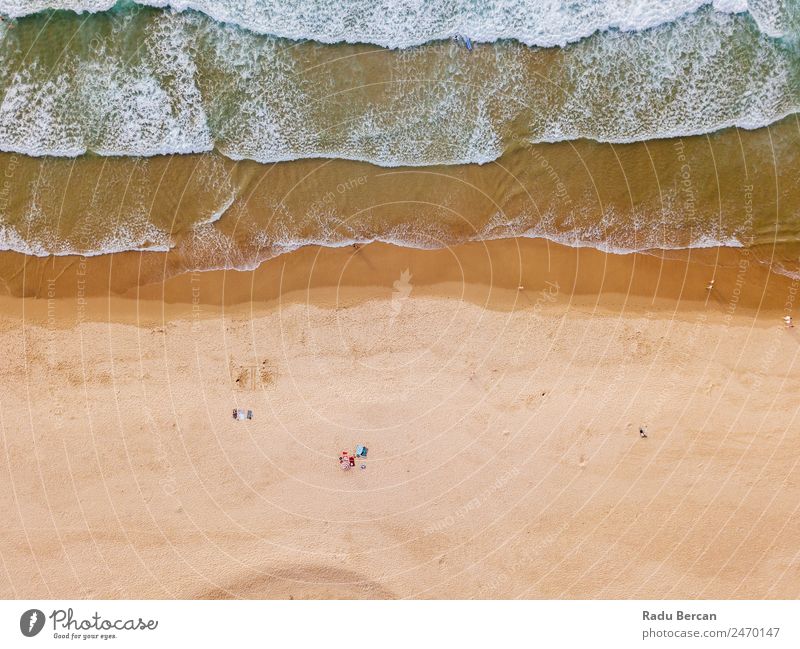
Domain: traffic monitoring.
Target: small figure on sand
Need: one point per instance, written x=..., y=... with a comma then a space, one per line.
x=642, y=433
x=787, y=320
x=710, y=285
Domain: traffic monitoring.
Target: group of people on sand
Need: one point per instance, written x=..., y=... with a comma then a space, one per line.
x=348, y=460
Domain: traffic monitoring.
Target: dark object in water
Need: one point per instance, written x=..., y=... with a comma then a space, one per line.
x=467, y=40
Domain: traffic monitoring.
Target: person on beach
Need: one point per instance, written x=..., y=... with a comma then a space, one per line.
x=642, y=434
x=787, y=319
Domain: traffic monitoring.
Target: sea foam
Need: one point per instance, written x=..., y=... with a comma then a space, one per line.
x=193, y=85
x=400, y=24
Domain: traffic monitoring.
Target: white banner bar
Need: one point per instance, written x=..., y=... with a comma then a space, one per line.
x=405, y=624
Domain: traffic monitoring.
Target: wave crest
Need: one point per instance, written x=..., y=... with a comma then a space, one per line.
x=192, y=85
x=393, y=24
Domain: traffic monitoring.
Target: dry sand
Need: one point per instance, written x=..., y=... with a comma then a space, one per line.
x=502, y=423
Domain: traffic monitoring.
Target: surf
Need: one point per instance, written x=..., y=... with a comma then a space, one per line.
x=393, y=24
x=147, y=82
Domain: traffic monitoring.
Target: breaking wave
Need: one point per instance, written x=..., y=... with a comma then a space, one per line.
x=400, y=24
x=144, y=82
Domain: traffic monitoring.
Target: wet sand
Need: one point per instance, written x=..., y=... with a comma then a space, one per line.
x=499, y=386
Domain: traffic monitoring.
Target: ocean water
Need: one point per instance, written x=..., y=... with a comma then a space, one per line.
x=230, y=131
x=735, y=188
x=143, y=82
x=400, y=24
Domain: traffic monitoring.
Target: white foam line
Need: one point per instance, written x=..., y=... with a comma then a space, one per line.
x=14, y=243
x=742, y=123
x=218, y=214
x=283, y=248
x=39, y=251
x=395, y=24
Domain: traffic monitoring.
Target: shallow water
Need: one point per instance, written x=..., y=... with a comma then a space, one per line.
x=732, y=188
x=380, y=144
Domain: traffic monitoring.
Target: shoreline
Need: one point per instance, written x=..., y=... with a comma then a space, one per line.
x=208, y=212
x=487, y=273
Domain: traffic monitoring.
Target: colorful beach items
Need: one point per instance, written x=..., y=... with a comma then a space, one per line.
x=346, y=460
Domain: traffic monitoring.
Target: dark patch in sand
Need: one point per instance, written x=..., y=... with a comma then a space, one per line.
x=299, y=582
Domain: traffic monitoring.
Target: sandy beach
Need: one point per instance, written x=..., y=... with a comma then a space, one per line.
x=499, y=386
